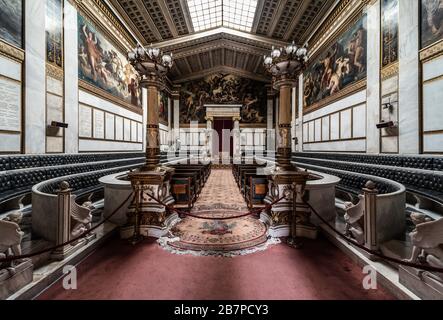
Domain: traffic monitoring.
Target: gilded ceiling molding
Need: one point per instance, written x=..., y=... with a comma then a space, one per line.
x=432, y=51
x=336, y=23
x=11, y=51
x=98, y=13
x=224, y=70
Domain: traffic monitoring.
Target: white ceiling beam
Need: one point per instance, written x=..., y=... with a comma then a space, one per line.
x=185, y=8
x=164, y=9
x=276, y=17
x=258, y=12
x=296, y=19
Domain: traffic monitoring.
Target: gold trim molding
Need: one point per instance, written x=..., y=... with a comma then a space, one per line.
x=432, y=51
x=54, y=72
x=100, y=93
x=389, y=71
x=12, y=52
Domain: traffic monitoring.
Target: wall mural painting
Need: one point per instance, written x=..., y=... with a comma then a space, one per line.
x=341, y=65
x=431, y=21
x=223, y=89
x=11, y=22
x=104, y=66
x=54, y=32
x=163, y=108
x=390, y=31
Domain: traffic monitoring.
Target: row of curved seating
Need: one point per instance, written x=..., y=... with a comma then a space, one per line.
x=404, y=161
x=16, y=162
x=427, y=183
x=16, y=183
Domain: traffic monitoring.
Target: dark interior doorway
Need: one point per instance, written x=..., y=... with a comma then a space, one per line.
x=223, y=127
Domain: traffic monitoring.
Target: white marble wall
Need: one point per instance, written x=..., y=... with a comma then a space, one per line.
x=71, y=78
x=35, y=77
x=432, y=105
x=373, y=77
x=11, y=75
x=409, y=115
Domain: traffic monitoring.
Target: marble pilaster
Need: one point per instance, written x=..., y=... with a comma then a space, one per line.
x=35, y=77
x=373, y=77
x=409, y=106
x=71, y=78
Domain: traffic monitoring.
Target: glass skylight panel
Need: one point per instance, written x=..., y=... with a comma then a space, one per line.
x=235, y=14
x=239, y=14
x=205, y=14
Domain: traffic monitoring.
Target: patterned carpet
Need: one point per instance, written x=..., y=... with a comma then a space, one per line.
x=220, y=198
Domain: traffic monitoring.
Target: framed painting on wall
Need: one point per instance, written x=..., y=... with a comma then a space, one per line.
x=389, y=31
x=11, y=22
x=431, y=22
x=102, y=65
x=338, y=66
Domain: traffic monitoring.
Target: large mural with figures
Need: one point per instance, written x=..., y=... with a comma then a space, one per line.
x=431, y=21
x=223, y=89
x=340, y=65
x=11, y=22
x=163, y=108
x=390, y=31
x=104, y=66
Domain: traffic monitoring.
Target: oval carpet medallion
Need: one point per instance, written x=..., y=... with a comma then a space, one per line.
x=210, y=236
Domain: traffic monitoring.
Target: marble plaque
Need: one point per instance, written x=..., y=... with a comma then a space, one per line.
x=127, y=130
x=85, y=122
x=99, y=124
x=110, y=126
x=133, y=131
x=139, y=132
x=10, y=105
x=118, y=128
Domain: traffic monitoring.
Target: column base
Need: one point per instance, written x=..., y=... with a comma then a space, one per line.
x=154, y=218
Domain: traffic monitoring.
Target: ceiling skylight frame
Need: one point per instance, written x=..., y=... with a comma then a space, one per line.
x=234, y=14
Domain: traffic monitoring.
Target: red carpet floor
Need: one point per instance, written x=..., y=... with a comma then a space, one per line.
x=119, y=271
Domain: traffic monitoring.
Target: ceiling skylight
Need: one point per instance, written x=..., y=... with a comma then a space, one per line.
x=235, y=14
x=205, y=14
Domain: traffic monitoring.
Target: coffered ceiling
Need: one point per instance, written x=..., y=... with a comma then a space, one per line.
x=169, y=24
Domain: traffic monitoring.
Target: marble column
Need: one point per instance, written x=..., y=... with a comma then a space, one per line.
x=373, y=77
x=236, y=140
x=293, y=120
x=409, y=74
x=176, y=111
x=35, y=77
x=152, y=128
x=145, y=115
x=299, y=121
x=209, y=137
x=270, y=134
x=71, y=78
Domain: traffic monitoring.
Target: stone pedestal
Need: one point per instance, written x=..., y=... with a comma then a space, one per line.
x=13, y=279
x=146, y=217
x=287, y=212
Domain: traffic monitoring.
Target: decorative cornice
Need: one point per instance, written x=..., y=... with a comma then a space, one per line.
x=222, y=69
x=12, y=52
x=389, y=71
x=98, y=13
x=432, y=51
x=54, y=72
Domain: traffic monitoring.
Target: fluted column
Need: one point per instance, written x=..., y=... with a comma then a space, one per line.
x=236, y=140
